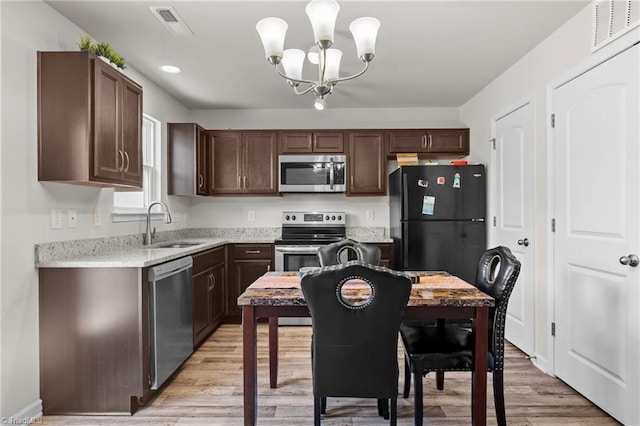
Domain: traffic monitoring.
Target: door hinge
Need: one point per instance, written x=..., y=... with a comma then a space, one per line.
x=494, y=221
x=553, y=120
x=553, y=225
x=553, y=328
x=493, y=142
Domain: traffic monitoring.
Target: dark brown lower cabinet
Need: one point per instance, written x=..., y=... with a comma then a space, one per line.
x=94, y=340
x=209, y=292
x=247, y=262
x=385, y=254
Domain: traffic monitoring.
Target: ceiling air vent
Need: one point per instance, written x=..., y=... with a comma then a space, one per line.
x=612, y=19
x=169, y=17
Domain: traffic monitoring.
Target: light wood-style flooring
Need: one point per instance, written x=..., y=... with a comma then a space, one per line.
x=207, y=390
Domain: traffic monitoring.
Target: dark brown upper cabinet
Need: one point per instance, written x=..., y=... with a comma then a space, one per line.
x=187, y=159
x=432, y=142
x=309, y=142
x=243, y=162
x=89, y=122
x=367, y=163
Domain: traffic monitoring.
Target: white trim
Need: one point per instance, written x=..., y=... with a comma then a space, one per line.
x=134, y=215
x=30, y=414
x=620, y=45
x=540, y=363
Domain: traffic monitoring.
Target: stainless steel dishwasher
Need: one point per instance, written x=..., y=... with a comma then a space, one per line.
x=170, y=317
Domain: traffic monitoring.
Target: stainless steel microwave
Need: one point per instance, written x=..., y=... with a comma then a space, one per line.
x=312, y=173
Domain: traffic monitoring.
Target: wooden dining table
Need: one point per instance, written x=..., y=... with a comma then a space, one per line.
x=434, y=294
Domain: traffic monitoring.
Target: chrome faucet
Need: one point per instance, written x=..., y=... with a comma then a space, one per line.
x=148, y=237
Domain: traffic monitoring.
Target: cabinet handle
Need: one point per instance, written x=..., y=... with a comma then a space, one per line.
x=213, y=281
x=126, y=169
x=240, y=182
x=200, y=181
x=268, y=268
x=352, y=180
x=244, y=182
x=430, y=141
x=252, y=251
x=121, y=160
x=424, y=141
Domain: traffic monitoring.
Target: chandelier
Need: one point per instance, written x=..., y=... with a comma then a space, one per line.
x=322, y=14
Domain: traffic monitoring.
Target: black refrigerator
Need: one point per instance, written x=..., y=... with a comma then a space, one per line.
x=437, y=218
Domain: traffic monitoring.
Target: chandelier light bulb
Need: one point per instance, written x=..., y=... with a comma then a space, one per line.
x=320, y=104
x=365, y=31
x=272, y=32
x=323, y=15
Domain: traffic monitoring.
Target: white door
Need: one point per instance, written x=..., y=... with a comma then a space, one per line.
x=596, y=202
x=514, y=221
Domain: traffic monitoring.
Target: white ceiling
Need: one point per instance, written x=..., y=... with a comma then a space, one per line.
x=428, y=53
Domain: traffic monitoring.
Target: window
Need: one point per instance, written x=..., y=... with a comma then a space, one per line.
x=128, y=205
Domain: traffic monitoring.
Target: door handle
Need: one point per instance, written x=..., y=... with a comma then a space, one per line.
x=631, y=260
x=524, y=242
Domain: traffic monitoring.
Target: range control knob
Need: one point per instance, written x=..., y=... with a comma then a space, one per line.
x=333, y=218
x=286, y=217
x=326, y=217
x=293, y=217
x=339, y=217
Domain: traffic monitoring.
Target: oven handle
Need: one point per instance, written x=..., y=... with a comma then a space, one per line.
x=297, y=249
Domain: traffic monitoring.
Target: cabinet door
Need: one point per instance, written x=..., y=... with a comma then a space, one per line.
x=132, y=133
x=295, y=142
x=260, y=163
x=454, y=141
x=108, y=157
x=407, y=141
x=329, y=142
x=202, y=175
x=201, y=308
x=217, y=295
x=245, y=272
x=367, y=164
x=225, y=172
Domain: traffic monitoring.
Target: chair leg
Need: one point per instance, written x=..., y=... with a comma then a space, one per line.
x=407, y=377
x=316, y=411
x=440, y=379
x=417, y=391
x=393, y=415
x=498, y=396
x=323, y=405
x=385, y=408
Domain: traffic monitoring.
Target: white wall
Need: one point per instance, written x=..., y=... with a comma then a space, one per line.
x=563, y=50
x=26, y=203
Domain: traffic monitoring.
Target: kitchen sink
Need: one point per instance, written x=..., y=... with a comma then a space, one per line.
x=174, y=245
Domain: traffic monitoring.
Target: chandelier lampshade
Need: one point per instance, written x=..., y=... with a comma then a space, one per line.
x=289, y=63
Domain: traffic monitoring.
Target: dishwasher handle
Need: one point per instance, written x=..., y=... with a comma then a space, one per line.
x=158, y=272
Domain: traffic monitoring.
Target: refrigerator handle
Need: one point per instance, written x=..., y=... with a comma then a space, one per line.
x=404, y=197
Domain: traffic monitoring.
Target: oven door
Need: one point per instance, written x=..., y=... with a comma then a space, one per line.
x=292, y=258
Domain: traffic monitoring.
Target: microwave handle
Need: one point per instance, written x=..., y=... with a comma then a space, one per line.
x=332, y=174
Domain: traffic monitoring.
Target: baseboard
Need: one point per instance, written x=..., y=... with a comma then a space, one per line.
x=32, y=413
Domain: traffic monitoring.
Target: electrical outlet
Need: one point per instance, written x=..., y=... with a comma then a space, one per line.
x=72, y=218
x=56, y=218
x=251, y=216
x=369, y=214
x=97, y=217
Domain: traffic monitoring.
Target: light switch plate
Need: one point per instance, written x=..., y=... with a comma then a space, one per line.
x=72, y=218
x=97, y=217
x=56, y=218
x=251, y=216
x=369, y=214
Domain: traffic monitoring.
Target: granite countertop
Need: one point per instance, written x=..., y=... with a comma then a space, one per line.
x=127, y=251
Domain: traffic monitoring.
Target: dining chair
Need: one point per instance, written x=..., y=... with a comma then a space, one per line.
x=447, y=346
x=356, y=310
x=348, y=249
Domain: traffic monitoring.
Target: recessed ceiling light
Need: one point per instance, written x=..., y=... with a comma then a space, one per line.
x=171, y=69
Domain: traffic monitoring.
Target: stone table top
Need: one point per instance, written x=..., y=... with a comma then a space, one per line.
x=430, y=288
